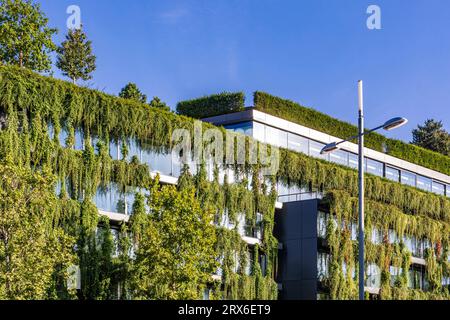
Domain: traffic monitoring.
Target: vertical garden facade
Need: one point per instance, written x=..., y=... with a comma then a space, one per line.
x=82, y=170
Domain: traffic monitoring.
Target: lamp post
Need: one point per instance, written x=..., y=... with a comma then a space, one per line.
x=388, y=125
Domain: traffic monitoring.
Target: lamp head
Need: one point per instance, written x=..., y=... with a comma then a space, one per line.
x=329, y=148
x=394, y=123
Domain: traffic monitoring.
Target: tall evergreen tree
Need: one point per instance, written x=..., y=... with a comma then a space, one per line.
x=132, y=92
x=75, y=57
x=433, y=136
x=25, y=38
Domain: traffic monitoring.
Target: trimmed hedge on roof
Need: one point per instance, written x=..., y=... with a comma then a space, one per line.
x=213, y=105
x=311, y=118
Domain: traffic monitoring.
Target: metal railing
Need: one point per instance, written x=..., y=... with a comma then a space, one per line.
x=300, y=196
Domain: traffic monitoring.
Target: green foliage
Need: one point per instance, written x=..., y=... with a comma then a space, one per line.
x=157, y=103
x=384, y=217
x=212, y=105
x=301, y=170
x=432, y=136
x=34, y=248
x=175, y=255
x=311, y=118
x=75, y=58
x=29, y=101
x=132, y=92
x=25, y=38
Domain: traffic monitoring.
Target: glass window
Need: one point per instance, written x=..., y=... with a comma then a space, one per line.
x=321, y=224
x=114, y=150
x=354, y=230
x=395, y=272
x=339, y=157
x=110, y=199
x=416, y=278
x=374, y=167
x=258, y=131
x=162, y=163
x=393, y=238
x=282, y=189
x=63, y=134
x=423, y=183
x=438, y=188
x=315, y=148
x=392, y=174
x=377, y=236
x=322, y=265
x=79, y=143
x=408, y=178
x=243, y=128
x=298, y=143
x=353, y=160
x=276, y=137
x=373, y=274
x=133, y=150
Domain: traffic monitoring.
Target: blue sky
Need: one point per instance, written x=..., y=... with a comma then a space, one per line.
x=309, y=51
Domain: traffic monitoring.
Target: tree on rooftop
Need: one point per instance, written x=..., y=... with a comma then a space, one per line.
x=25, y=38
x=157, y=103
x=75, y=58
x=432, y=135
x=132, y=92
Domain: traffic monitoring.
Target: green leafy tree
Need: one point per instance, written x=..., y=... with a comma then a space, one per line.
x=75, y=58
x=34, y=250
x=25, y=38
x=432, y=135
x=132, y=92
x=175, y=255
x=157, y=103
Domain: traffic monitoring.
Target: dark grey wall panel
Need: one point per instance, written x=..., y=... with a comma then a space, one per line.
x=296, y=228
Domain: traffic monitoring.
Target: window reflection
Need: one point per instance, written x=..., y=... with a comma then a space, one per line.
x=374, y=167
x=353, y=160
x=373, y=274
x=438, y=188
x=339, y=157
x=298, y=143
x=423, y=183
x=323, y=260
x=392, y=174
x=408, y=178
x=276, y=137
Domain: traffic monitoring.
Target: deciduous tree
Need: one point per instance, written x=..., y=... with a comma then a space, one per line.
x=25, y=38
x=175, y=257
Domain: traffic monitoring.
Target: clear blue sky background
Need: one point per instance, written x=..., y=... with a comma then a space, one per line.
x=309, y=51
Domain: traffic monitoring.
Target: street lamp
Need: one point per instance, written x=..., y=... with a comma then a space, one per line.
x=388, y=125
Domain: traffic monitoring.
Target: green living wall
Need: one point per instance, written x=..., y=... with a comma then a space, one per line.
x=212, y=105
x=311, y=118
x=342, y=282
x=29, y=102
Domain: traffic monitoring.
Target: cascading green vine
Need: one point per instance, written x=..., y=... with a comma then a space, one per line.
x=384, y=217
